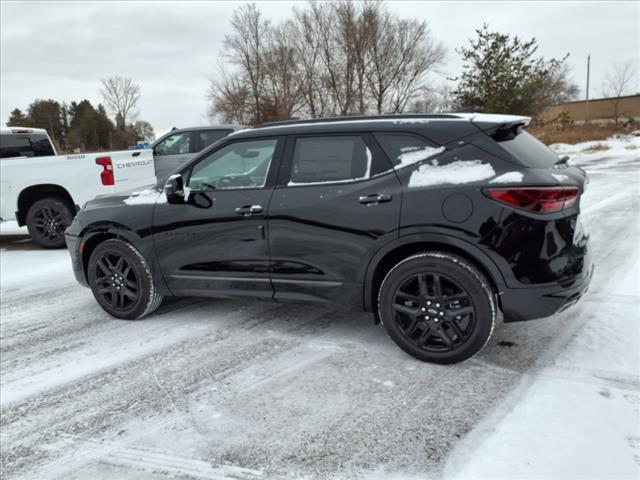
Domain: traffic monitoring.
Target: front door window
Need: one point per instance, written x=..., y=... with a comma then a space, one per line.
x=237, y=165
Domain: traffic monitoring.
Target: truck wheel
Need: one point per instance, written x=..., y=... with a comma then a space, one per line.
x=437, y=307
x=47, y=219
x=122, y=281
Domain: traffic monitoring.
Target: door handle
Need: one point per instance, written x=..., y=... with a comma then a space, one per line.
x=249, y=210
x=375, y=199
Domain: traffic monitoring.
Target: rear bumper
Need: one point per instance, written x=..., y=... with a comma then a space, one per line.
x=73, y=246
x=530, y=303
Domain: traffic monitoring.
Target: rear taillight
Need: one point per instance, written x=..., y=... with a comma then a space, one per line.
x=106, y=176
x=536, y=199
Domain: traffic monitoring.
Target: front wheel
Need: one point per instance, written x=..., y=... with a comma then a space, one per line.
x=437, y=307
x=122, y=281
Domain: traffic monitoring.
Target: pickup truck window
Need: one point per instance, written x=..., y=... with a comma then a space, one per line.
x=176, y=144
x=207, y=137
x=36, y=145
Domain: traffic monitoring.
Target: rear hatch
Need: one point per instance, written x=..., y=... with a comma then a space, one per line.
x=532, y=153
x=551, y=190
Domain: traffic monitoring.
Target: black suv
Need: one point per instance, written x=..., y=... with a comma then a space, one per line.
x=433, y=222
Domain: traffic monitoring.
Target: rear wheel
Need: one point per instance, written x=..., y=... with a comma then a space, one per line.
x=121, y=280
x=437, y=307
x=47, y=219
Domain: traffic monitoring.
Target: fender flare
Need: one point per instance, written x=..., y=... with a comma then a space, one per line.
x=143, y=243
x=444, y=239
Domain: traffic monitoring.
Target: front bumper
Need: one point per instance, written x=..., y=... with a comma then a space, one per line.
x=531, y=303
x=73, y=246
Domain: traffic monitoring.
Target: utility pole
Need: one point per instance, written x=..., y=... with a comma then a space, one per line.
x=586, y=108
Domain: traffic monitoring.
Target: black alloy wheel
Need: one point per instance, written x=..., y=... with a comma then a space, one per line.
x=434, y=312
x=47, y=219
x=437, y=307
x=117, y=281
x=121, y=280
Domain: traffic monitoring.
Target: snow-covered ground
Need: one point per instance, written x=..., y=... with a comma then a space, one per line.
x=250, y=390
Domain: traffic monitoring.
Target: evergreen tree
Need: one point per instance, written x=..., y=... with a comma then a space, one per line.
x=18, y=119
x=46, y=114
x=504, y=75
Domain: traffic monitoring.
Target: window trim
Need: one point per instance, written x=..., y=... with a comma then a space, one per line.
x=284, y=176
x=272, y=170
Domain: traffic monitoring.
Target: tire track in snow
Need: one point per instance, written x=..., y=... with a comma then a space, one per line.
x=191, y=362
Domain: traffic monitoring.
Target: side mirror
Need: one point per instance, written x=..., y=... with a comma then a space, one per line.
x=174, y=189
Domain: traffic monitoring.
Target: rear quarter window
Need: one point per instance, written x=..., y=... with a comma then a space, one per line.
x=24, y=145
x=528, y=150
x=404, y=149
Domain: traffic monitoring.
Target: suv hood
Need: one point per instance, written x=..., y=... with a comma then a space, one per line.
x=135, y=196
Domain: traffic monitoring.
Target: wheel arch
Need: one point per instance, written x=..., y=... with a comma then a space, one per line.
x=392, y=253
x=94, y=235
x=33, y=193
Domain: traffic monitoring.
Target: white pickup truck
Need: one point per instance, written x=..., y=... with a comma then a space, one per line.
x=43, y=190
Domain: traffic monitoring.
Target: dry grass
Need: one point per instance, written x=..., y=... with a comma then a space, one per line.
x=575, y=134
x=598, y=147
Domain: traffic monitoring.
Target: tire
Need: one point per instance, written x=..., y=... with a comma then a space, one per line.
x=437, y=307
x=122, y=281
x=47, y=219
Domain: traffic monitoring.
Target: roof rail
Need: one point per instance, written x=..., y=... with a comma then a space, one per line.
x=356, y=117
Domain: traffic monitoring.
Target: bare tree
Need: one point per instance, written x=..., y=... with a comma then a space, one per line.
x=432, y=99
x=231, y=99
x=402, y=53
x=245, y=49
x=121, y=96
x=331, y=58
x=616, y=84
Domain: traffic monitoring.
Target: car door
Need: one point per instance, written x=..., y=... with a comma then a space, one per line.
x=215, y=242
x=172, y=152
x=337, y=200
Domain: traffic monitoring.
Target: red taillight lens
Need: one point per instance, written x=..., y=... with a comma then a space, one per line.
x=106, y=176
x=536, y=199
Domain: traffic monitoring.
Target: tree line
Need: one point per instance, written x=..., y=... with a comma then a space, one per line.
x=357, y=57
x=79, y=126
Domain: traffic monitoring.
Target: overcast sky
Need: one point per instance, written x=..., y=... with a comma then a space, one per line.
x=61, y=50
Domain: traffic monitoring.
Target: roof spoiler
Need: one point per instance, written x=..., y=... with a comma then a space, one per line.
x=498, y=127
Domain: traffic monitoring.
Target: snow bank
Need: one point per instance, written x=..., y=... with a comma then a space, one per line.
x=615, y=150
x=578, y=416
x=455, y=173
x=10, y=227
x=509, y=177
x=27, y=269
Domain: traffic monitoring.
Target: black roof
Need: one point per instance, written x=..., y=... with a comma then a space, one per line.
x=439, y=128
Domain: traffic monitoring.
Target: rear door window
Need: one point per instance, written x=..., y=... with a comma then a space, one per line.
x=332, y=158
x=528, y=150
x=209, y=137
